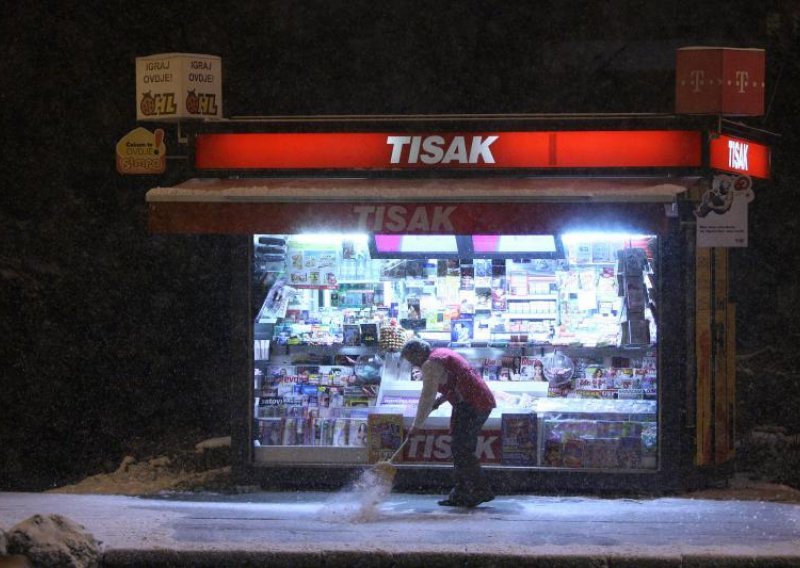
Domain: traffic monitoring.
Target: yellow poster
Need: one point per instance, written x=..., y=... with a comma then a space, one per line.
x=142, y=152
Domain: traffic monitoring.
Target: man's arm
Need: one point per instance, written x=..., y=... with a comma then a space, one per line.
x=433, y=374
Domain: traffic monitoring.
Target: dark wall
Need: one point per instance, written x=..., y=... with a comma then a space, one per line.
x=114, y=340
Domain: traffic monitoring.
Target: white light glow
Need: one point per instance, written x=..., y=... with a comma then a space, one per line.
x=571, y=239
x=329, y=238
x=429, y=243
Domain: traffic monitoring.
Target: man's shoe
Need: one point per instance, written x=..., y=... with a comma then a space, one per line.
x=449, y=502
x=478, y=498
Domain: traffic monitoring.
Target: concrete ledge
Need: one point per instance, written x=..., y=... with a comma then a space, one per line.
x=359, y=559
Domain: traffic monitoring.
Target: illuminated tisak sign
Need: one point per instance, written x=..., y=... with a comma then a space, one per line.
x=462, y=150
x=738, y=155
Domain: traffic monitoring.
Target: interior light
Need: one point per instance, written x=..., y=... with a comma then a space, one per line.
x=416, y=244
x=328, y=238
x=571, y=239
x=482, y=244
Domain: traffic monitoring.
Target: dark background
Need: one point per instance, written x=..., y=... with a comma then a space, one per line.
x=115, y=341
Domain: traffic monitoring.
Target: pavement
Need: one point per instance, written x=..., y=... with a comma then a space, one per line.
x=401, y=529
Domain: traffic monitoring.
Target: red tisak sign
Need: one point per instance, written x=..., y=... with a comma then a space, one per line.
x=472, y=150
x=741, y=156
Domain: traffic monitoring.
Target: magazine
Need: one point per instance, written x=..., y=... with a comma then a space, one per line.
x=384, y=435
x=519, y=439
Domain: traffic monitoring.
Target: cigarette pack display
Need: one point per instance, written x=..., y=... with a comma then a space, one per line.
x=385, y=434
x=519, y=439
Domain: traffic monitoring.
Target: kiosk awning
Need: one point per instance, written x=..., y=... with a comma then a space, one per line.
x=415, y=206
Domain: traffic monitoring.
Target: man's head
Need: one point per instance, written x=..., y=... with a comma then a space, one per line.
x=416, y=351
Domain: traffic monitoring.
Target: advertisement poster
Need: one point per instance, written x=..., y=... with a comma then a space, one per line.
x=312, y=265
x=722, y=212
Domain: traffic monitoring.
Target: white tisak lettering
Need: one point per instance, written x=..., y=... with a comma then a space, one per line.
x=396, y=218
x=379, y=211
x=484, y=446
x=443, y=450
x=428, y=446
x=441, y=218
x=480, y=149
x=737, y=155
x=419, y=220
x=457, y=152
x=413, y=151
x=435, y=149
x=363, y=212
x=432, y=149
x=413, y=445
x=397, y=143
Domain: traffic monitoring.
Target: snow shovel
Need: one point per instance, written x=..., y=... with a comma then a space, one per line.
x=386, y=470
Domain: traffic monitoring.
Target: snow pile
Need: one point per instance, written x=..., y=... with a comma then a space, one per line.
x=204, y=468
x=53, y=540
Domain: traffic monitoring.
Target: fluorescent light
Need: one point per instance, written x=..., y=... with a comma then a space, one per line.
x=416, y=244
x=482, y=244
x=329, y=238
x=591, y=237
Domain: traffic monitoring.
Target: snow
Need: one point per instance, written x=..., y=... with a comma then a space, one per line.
x=54, y=540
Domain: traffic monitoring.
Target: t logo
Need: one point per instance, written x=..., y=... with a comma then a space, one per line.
x=741, y=80
x=696, y=81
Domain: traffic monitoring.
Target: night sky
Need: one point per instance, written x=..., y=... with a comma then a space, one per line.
x=115, y=340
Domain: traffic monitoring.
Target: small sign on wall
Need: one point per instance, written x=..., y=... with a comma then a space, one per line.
x=722, y=212
x=142, y=152
x=174, y=86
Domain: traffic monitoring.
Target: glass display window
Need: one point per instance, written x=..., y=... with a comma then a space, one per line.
x=563, y=329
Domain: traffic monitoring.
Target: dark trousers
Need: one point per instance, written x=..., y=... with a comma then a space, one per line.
x=467, y=474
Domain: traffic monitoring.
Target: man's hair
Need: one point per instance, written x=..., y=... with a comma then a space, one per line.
x=415, y=347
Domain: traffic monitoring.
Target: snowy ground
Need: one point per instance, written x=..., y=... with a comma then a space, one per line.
x=171, y=503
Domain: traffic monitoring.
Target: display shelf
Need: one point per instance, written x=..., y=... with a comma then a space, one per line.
x=533, y=297
x=511, y=315
x=595, y=406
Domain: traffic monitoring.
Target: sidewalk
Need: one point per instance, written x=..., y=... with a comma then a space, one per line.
x=330, y=529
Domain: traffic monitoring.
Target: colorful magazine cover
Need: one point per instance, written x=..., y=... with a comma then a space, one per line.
x=270, y=432
x=358, y=433
x=384, y=436
x=499, y=299
x=519, y=439
x=461, y=330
